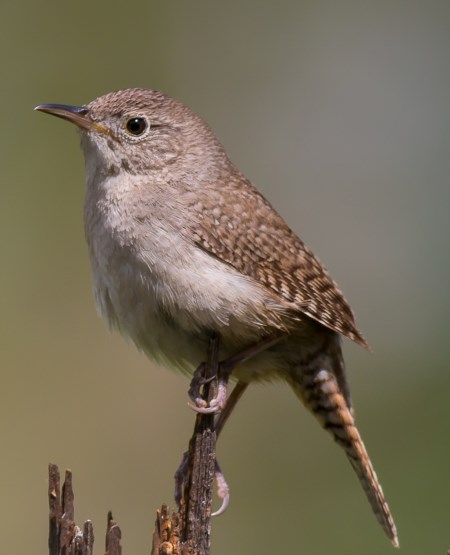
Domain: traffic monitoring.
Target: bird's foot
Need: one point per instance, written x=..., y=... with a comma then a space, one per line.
x=223, y=491
x=198, y=381
x=224, y=370
x=217, y=403
x=219, y=371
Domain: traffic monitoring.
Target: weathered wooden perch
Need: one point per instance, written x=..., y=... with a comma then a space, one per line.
x=65, y=537
x=186, y=532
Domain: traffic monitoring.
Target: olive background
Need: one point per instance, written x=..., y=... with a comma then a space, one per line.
x=339, y=112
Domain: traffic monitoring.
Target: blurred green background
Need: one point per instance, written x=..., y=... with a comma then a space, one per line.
x=339, y=111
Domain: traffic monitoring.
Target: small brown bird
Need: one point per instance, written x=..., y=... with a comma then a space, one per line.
x=184, y=247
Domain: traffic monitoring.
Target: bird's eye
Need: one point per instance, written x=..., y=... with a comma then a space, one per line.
x=136, y=126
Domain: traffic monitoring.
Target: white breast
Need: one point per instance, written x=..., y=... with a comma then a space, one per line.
x=163, y=291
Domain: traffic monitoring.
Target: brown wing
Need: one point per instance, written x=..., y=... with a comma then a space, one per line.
x=239, y=226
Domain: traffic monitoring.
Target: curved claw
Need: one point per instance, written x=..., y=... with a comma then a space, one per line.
x=223, y=507
x=205, y=410
x=223, y=491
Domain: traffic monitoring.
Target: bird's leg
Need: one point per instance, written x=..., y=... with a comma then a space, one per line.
x=180, y=478
x=223, y=492
x=198, y=380
x=204, y=375
x=226, y=367
x=220, y=404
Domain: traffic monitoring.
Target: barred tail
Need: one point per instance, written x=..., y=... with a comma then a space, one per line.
x=320, y=392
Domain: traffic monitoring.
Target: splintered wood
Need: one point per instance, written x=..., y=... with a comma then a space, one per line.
x=65, y=537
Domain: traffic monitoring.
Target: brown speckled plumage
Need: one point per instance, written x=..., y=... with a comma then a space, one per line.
x=246, y=233
x=183, y=246
x=250, y=235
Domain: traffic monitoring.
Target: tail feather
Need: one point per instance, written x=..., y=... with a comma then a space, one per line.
x=320, y=392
